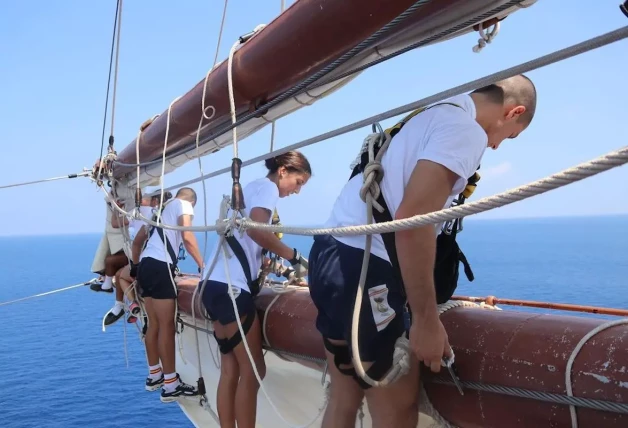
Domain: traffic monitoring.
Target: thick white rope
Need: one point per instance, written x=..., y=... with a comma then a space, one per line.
x=369, y=193
x=232, y=109
x=572, y=359
x=570, y=175
x=234, y=131
x=205, y=116
x=248, y=350
x=223, y=245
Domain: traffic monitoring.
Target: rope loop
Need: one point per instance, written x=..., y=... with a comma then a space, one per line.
x=374, y=171
x=486, y=36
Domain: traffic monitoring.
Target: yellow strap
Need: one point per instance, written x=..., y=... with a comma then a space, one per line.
x=276, y=220
x=472, y=183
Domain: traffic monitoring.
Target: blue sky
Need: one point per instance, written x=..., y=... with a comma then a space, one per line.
x=54, y=70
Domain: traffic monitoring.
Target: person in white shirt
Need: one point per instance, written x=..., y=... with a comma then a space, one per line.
x=287, y=173
x=425, y=167
x=155, y=274
x=122, y=276
x=110, y=254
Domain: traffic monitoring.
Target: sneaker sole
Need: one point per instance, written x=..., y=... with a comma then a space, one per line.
x=178, y=398
x=153, y=387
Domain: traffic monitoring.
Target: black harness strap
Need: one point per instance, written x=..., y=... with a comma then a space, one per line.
x=238, y=251
x=341, y=356
x=160, y=232
x=227, y=345
x=448, y=254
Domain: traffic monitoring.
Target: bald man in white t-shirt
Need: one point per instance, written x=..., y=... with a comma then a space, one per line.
x=425, y=167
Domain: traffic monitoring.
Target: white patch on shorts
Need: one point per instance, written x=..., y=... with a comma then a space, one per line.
x=383, y=314
x=236, y=291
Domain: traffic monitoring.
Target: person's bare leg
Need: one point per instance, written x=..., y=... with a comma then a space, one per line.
x=246, y=393
x=345, y=395
x=112, y=264
x=151, y=340
x=227, y=385
x=119, y=290
x=125, y=280
x=396, y=405
x=164, y=309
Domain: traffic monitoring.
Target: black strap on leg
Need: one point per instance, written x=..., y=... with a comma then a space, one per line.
x=227, y=345
x=382, y=364
x=341, y=356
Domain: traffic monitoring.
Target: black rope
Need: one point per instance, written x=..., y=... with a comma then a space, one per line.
x=113, y=42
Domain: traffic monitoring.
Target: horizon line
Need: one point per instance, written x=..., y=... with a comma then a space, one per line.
x=469, y=218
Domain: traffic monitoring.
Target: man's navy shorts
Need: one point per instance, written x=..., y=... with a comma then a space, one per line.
x=334, y=274
x=154, y=278
x=218, y=303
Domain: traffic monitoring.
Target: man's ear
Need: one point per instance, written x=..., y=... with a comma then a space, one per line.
x=515, y=112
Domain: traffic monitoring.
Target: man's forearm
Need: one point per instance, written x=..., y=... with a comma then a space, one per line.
x=191, y=245
x=416, y=250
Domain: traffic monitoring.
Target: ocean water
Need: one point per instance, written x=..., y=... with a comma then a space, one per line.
x=58, y=369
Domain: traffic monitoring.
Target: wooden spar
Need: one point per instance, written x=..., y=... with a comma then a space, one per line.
x=301, y=41
x=505, y=348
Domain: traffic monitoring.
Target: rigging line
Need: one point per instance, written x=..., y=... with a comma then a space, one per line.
x=104, y=121
x=326, y=70
x=80, y=174
x=556, y=56
x=91, y=281
x=115, y=76
x=200, y=125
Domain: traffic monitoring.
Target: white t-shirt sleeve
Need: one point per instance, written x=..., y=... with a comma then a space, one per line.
x=185, y=208
x=266, y=196
x=456, y=146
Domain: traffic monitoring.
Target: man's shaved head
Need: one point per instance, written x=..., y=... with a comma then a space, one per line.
x=187, y=194
x=514, y=91
x=504, y=109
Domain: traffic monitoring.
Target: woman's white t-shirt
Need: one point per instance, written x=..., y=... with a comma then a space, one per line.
x=261, y=193
x=136, y=224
